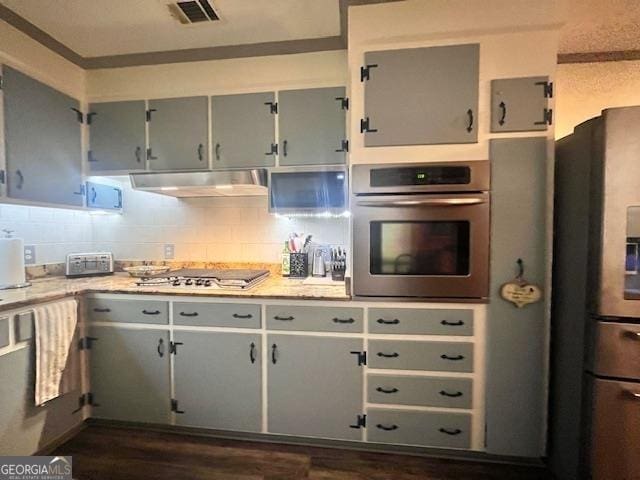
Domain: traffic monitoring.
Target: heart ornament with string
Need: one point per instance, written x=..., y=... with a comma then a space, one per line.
x=519, y=291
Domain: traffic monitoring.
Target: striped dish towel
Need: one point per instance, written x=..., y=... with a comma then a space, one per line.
x=55, y=356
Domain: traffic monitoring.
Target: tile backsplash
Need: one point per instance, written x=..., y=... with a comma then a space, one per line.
x=229, y=229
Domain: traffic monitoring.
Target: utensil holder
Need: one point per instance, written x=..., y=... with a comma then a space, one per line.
x=299, y=265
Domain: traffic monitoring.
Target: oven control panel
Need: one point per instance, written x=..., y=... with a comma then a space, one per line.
x=88, y=264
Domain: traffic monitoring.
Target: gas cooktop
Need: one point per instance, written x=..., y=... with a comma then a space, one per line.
x=236, y=279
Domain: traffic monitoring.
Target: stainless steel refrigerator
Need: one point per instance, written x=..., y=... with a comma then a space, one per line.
x=594, y=427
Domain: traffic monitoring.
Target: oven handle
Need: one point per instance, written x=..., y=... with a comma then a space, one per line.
x=437, y=202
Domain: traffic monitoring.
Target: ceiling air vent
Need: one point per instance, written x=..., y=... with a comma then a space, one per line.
x=193, y=11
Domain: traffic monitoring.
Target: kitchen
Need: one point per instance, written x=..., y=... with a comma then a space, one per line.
x=326, y=238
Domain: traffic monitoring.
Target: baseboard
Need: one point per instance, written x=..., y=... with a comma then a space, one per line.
x=56, y=442
x=460, y=455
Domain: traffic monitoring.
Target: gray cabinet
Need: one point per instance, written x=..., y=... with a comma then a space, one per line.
x=243, y=129
x=129, y=371
x=218, y=380
x=517, y=346
x=178, y=134
x=42, y=138
x=312, y=126
x=520, y=104
x=314, y=386
x=117, y=136
x=421, y=96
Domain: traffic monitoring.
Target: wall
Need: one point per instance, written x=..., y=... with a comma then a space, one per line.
x=236, y=229
x=583, y=90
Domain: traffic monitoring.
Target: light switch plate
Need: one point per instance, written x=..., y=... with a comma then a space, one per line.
x=29, y=254
x=169, y=251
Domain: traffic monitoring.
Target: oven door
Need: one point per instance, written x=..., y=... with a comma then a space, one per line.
x=432, y=246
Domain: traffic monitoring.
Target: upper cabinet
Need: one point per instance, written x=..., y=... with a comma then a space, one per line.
x=521, y=104
x=43, y=142
x=117, y=136
x=178, y=134
x=243, y=129
x=312, y=126
x=421, y=96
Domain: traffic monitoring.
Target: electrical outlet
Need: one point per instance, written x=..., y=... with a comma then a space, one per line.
x=29, y=254
x=169, y=251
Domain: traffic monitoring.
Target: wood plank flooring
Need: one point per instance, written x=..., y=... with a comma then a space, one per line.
x=106, y=453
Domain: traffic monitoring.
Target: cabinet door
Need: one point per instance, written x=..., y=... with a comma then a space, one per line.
x=519, y=104
x=117, y=136
x=311, y=126
x=422, y=96
x=218, y=380
x=105, y=197
x=243, y=130
x=42, y=136
x=178, y=134
x=314, y=386
x=130, y=374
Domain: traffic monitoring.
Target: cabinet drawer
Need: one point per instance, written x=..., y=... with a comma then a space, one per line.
x=617, y=350
x=430, y=429
x=318, y=319
x=412, y=355
x=421, y=321
x=236, y=315
x=427, y=391
x=127, y=311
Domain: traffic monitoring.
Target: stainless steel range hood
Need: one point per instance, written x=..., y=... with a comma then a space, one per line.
x=218, y=183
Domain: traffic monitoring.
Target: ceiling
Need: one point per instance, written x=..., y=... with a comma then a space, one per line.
x=601, y=26
x=139, y=26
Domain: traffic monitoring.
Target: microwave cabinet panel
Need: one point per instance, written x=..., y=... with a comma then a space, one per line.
x=421, y=96
x=520, y=104
x=117, y=136
x=243, y=130
x=178, y=134
x=312, y=126
x=42, y=137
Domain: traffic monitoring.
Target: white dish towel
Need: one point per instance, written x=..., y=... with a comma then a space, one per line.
x=55, y=331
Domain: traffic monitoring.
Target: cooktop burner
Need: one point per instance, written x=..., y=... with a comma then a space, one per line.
x=238, y=279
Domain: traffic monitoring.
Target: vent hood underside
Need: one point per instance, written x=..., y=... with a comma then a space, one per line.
x=224, y=183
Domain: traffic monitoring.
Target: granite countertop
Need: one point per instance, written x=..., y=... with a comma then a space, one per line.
x=56, y=287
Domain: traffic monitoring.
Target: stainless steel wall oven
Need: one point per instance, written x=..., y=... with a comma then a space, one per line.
x=421, y=230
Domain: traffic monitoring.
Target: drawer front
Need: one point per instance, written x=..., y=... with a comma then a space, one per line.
x=412, y=355
x=23, y=326
x=421, y=321
x=429, y=429
x=4, y=332
x=237, y=315
x=317, y=319
x=424, y=391
x=128, y=311
x=617, y=352
x=615, y=430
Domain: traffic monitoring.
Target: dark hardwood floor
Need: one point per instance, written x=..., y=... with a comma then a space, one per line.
x=101, y=453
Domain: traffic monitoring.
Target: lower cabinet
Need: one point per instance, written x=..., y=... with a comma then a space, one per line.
x=314, y=386
x=218, y=380
x=129, y=371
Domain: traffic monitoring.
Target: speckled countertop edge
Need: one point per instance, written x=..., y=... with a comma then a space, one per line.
x=55, y=287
